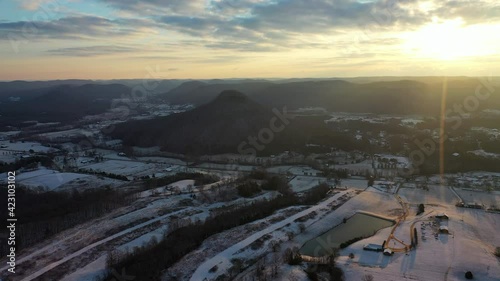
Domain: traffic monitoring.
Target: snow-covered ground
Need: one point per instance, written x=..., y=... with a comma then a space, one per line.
x=303, y=170
x=179, y=186
x=47, y=179
x=230, y=167
x=437, y=195
x=124, y=167
x=304, y=183
x=360, y=184
x=487, y=199
x=52, y=181
x=64, y=134
x=8, y=157
x=362, y=167
x=468, y=247
x=25, y=147
x=240, y=250
x=482, y=153
x=164, y=160
x=88, y=272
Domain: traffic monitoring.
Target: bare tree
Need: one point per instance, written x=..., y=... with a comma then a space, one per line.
x=274, y=245
x=302, y=227
x=275, y=264
x=367, y=277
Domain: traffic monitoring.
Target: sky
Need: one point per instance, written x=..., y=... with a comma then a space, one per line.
x=201, y=39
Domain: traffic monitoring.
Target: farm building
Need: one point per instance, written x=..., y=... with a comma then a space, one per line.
x=443, y=216
x=443, y=229
x=388, y=252
x=373, y=247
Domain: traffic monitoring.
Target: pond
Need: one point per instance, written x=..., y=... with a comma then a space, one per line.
x=359, y=225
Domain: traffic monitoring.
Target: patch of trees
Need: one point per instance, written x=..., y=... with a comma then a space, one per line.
x=104, y=174
x=465, y=162
x=268, y=182
x=248, y=189
x=371, y=181
x=497, y=252
x=336, y=173
x=469, y=275
x=421, y=209
x=48, y=213
x=199, y=179
x=315, y=194
x=258, y=174
x=292, y=256
x=330, y=268
x=276, y=183
x=45, y=161
x=149, y=262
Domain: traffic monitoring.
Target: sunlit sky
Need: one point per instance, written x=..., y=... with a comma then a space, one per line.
x=104, y=39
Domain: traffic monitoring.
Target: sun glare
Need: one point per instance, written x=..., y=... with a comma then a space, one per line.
x=450, y=40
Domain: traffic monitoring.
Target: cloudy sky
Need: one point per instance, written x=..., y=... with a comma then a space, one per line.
x=101, y=39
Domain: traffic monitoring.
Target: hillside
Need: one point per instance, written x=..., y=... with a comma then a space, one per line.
x=221, y=126
x=404, y=96
x=197, y=93
x=62, y=103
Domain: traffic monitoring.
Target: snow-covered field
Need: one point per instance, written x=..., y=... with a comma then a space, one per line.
x=164, y=160
x=47, y=179
x=121, y=167
x=487, y=199
x=303, y=170
x=304, y=183
x=437, y=194
x=359, y=184
x=242, y=251
x=64, y=134
x=482, y=153
x=8, y=157
x=363, y=167
x=468, y=247
x=230, y=167
x=51, y=181
x=25, y=147
x=293, y=170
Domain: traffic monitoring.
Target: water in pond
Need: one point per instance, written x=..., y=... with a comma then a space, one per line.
x=359, y=225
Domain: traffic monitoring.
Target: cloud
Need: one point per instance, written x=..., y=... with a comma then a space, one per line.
x=275, y=25
x=32, y=5
x=243, y=46
x=472, y=12
x=255, y=25
x=74, y=27
x=91, y=51
x=158, y=6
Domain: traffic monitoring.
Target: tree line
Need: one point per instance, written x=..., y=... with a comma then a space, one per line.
x=42, y=215
x=150, y=261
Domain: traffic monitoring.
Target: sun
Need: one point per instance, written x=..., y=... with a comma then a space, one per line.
x=449, y=40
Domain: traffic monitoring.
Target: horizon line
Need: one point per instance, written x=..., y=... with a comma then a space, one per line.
x=251, y=78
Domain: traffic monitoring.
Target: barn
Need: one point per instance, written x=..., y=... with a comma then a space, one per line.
x=443, y=229
x=442, y=216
